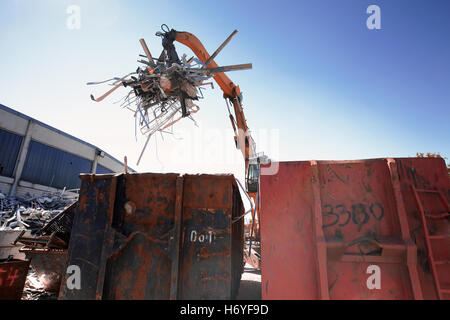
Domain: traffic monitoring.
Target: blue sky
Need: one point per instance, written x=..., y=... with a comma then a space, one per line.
x=330, y=88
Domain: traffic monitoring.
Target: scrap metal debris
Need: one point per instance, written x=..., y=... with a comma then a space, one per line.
x=163, y=91
x=48, y=254
x=49, y=218
x=32, y=213
x=35, y=289
x=60, y=226
x=49, y=266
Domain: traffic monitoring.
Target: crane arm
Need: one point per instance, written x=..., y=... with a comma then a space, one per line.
x=188, y=39
x=231, y=91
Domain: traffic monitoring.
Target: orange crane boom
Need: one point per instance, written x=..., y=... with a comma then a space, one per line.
x=230, y=91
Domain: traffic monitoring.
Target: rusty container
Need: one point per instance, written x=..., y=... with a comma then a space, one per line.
x=368, y=229
x=156, y=236
x=13, y=274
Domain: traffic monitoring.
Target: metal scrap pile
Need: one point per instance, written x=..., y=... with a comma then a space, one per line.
x=44, y=224
x=30, y=214
x=163, y=91
x=49, y=218
x=35, y=290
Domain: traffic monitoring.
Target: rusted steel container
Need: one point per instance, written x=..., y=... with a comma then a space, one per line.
x=13, y=274
x=157, y=236
x=369, y=229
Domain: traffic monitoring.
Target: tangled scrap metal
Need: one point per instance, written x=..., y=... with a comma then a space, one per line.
x=163, y=91
x=31, y=214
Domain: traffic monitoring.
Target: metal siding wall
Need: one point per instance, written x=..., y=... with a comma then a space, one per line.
x=9, y=151
x=52, y=167
x=102, y=170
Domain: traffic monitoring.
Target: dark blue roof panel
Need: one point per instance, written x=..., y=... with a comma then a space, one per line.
x=24, y=116
x=9, y=151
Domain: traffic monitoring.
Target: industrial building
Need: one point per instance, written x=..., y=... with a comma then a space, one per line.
x=36, y=158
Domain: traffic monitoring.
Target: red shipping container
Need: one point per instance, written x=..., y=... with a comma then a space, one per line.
x=366, y=229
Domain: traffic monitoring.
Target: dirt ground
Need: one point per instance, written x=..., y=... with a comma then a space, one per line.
x=250, y=288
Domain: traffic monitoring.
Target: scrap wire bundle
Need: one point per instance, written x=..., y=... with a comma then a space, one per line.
x=163, y=91
x=164, y=95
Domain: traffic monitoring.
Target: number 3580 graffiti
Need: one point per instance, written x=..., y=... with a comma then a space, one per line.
x=360, y=214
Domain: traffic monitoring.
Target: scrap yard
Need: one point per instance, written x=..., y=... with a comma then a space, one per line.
x=77, y=223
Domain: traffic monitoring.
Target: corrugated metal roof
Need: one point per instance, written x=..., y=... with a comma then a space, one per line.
x=9, y=151
x=19, y=114
x=53, y=167
x=102, y=170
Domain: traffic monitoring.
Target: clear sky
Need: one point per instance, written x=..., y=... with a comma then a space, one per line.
x=323, y=86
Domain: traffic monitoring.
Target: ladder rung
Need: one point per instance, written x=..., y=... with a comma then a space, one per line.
x=428, y=237
x=440, y=236
x=437, y=216
x=427, y=190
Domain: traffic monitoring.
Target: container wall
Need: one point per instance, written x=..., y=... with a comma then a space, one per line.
x=212, y=244
x=206, y=260
x=144, y=213
x=427, y=174
x=327, y=225
x=13, y=274
x=168, y=237
x=91, y=237
x=288, y=262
